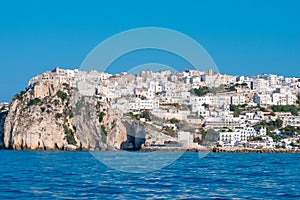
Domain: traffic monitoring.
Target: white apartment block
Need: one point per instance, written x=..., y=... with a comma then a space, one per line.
x=238, y=100
x=260, y=85
x=239, y=135
x=145, y=104
x=275, y=99
x=195, y=101
x=232, y=137
x=221, y=122
x=220, y=100
x=262, y=99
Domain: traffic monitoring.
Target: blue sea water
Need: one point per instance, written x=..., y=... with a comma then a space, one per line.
x=78, y=175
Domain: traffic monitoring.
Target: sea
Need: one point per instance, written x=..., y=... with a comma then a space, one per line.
x=82, y=175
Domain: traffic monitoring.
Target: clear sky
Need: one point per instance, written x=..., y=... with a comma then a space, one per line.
x=243, y=37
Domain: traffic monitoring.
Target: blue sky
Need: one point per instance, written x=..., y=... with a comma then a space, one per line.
x=243, y=37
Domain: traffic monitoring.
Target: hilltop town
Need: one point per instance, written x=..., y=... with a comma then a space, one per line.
x=259, y=112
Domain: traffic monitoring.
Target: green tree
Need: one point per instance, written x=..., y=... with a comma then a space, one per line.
x=278, y=123
x=244, y=84
x=174, y=121
x=62, y=95
x=286, y=108
x=170, y=131
x=262, y=109
x=236, y=110
x=103, y=134
x=201, y=91
x=35, y=101
x=272, y=114
x=231, y=89
x=69, y=136
x=19, y=96
x=101, y=115
x=197, y=140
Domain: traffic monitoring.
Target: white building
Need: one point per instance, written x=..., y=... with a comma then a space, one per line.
x=237, y=136
x=260, y=85
x=262, y=131
x=262, y=99
x=185, y=137
x=231, y=137
x=238, y=100
x=143, y=104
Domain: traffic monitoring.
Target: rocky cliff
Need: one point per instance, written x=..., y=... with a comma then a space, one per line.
x=64, y=110
x=3, y=114
x=63, y=120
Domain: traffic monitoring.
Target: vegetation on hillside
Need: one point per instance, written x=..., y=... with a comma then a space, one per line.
x=286, y=108
x=35, y=101
x=62, y=95
x=201, y=91
x=231, y=89
x=236, y=110
x=19, y=96
x=174, y=121
x=100, y=116
x=69, y=136
x=144, y=114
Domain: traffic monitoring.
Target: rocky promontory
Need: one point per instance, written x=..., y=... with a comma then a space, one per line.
x=57, y=111
x=61, y=120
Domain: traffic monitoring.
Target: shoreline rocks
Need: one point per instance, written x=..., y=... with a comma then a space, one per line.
x=169, y=149
x=249, y=150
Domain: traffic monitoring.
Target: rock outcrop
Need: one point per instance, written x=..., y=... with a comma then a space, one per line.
x=136, y=136
x=64, y=120
x=98, y=127
x=64, y=110
x=3, y=114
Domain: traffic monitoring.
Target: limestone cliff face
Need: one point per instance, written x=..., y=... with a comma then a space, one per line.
x=64, y=120
x=98, y=127
x=3, y=114
x=136, y=135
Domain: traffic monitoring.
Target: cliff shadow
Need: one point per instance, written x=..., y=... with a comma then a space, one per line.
x=136, y=136
x=3, y=116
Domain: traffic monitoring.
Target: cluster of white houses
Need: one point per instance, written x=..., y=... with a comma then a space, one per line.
x=148, y=89
x=240, y=136
x=154, y=90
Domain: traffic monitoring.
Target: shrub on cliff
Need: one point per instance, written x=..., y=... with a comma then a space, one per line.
x=19, y=96
x=174, y=121
x=62, y=95
x=58, y=115
x=104, y=134
x=35, y=101
x=69, y=136
x=101, y=115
